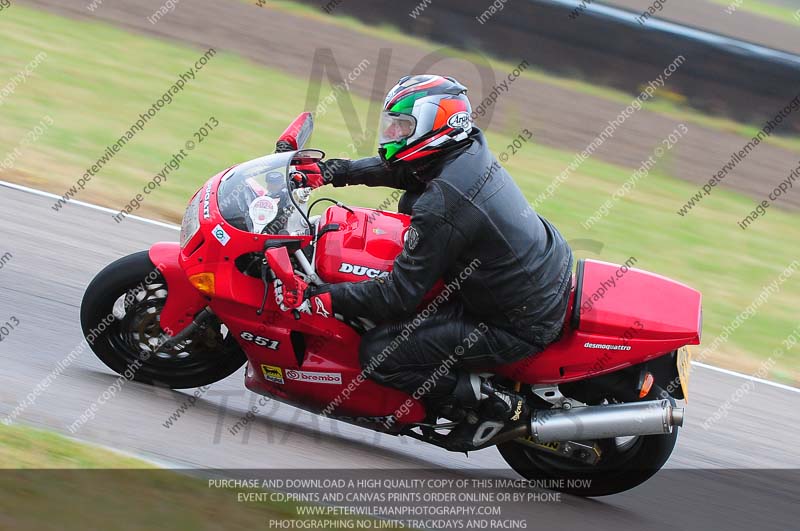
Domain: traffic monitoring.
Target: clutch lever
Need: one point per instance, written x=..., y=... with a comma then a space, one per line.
x=265, y=271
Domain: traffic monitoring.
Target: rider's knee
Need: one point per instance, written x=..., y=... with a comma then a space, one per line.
x=369, y=352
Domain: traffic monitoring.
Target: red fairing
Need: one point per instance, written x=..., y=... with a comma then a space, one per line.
x=183, y=301
x=625, y=317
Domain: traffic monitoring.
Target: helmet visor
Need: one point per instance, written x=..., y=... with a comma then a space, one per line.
x=396, y=127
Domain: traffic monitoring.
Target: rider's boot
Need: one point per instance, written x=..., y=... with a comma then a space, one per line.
x=499, y=410
x=463, y=401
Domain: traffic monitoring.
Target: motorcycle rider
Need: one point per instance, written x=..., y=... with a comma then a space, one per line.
x=465, y=209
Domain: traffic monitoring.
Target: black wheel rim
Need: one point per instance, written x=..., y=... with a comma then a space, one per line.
x=137, y=335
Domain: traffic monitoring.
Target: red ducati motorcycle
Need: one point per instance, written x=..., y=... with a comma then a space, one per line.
x=183, y=315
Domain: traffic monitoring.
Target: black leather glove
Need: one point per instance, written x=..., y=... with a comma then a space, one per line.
x=334, y=170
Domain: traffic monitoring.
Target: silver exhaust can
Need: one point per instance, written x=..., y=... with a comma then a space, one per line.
x=604, y=422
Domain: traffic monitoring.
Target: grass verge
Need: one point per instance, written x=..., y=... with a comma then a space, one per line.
x=763, y=9
x=51, y=489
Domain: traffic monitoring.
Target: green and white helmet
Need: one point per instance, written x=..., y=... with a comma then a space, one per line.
x=423, y=115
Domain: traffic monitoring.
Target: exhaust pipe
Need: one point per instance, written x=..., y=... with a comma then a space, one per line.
x=655, y=417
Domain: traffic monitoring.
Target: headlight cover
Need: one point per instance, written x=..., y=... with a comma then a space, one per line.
x=191, y=221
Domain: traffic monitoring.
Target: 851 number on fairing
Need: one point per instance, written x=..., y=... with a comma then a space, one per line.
x=260, y=341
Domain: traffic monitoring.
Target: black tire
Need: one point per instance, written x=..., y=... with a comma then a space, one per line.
x=120, y=316
x=621, y=466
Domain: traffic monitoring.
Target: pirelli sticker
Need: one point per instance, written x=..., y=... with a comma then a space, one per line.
x=272, y=374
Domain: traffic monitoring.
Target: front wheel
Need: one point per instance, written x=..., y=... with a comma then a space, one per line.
x=120, y=317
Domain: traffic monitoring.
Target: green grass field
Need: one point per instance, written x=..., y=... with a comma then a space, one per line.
x=97, y=79
x=763, y=9
x=87, y=487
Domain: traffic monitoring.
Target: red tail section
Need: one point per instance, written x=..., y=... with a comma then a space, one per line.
x=619, y=317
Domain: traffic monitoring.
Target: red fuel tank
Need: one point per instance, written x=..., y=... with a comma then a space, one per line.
x=358, y=244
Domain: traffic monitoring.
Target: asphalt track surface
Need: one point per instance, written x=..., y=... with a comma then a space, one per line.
x=55, y=255
x=715, y=18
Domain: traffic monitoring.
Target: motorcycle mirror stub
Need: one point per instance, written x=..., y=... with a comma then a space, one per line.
x=297, y=134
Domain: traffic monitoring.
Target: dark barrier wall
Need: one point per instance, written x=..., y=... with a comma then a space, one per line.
x=606, y=46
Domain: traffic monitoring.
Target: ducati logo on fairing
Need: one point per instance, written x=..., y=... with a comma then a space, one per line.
x=207, y=202
x=361, y=271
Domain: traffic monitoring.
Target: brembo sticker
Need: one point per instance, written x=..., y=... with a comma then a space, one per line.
x=314, y=377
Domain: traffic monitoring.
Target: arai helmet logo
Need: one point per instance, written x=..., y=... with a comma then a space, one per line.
x=361, y=271
x=460, y=119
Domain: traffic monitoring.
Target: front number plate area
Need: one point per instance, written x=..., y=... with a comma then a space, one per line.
x=684, y=362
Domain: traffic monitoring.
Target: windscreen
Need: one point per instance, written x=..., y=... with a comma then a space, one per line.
x=254, y=197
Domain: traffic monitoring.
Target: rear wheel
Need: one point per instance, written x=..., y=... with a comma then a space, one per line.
x=624, y=462
x=120, y=317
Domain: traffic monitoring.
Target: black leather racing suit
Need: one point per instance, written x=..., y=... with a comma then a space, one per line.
x=507, y=270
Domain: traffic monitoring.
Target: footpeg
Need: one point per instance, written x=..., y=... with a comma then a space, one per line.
x=502, y=404
x=486, y=431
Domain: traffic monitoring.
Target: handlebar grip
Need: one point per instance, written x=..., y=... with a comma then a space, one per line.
x=282, y=146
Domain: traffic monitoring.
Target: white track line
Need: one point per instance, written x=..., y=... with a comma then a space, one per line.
x=175, y=227
x=747, y=377
x=87, y=205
